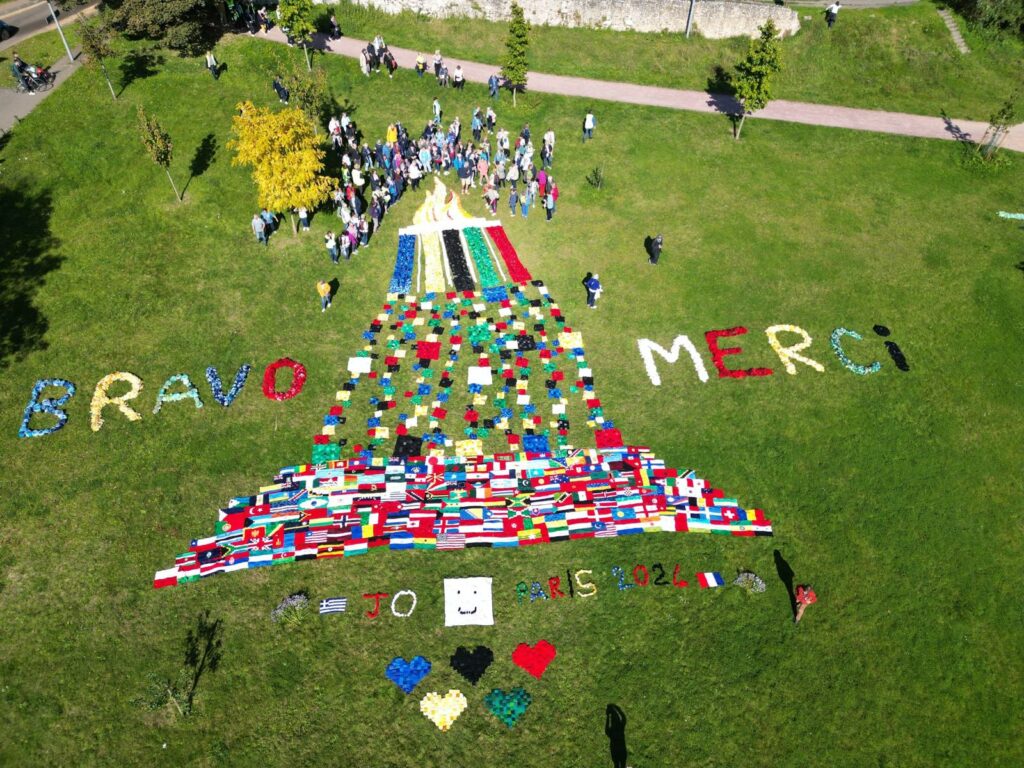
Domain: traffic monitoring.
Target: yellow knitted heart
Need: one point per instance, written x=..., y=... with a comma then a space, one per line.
x=442, y=711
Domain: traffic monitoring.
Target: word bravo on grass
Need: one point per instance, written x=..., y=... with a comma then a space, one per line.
x=177, y=388
x=789, y=353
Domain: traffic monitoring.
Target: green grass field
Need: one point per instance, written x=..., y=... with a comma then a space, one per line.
x=898, y=59
x=896, y=495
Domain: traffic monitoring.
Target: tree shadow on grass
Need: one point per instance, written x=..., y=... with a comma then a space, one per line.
x=1020, y=266
x=202, y=159
x=26, y=256
x=202, y=651
x=138, y=65
x=722, y=95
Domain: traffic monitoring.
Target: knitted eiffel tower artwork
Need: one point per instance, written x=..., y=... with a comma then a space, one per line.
x=476, y=381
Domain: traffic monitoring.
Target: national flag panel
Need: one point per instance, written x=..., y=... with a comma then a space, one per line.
x=349, y=507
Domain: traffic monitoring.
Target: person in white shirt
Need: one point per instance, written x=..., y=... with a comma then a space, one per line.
x=549, y=139
x=831, y=13
x=589, y=122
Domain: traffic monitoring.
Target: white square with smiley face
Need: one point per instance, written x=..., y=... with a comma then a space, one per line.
x=468, y=602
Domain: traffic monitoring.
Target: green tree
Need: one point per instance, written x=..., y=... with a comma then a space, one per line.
x=297, y=20
x=97, y=35
x=311, y=92
x=187, y=26
x=286, y=158
x=517, y=46
x=752, y=82
x=158, y=144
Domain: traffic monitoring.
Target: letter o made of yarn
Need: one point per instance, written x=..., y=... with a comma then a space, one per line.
x=270, y=390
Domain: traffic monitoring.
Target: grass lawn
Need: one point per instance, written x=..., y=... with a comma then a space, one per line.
x=896, y=494
x=898, y=59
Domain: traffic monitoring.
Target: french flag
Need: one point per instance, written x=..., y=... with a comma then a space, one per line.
x=710, y=580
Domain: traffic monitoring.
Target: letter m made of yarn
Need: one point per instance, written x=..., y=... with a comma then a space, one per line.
x=648, y=349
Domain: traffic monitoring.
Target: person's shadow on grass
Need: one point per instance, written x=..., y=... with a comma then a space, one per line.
x=786, y=577
x=615, y=730
x=335, y=286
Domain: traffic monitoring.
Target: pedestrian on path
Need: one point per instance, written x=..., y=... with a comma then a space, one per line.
x=804, y=596
x=212, y=65
x=656, y=244
x=259, y=228
x=458, y=79
x=438, y=63
x=335, y=29
x=589, y=123
x=831, y=13
x=593, y=286
x=421, y=64
x=331, y=244
x=323, y=288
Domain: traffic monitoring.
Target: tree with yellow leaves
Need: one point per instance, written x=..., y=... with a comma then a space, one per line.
x=285, y=155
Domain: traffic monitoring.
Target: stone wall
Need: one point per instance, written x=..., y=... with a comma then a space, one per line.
x=712, y=18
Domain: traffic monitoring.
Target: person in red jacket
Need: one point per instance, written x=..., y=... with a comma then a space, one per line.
x=804, y=596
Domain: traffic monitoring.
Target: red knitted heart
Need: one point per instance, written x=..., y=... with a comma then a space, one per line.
x=534, y=659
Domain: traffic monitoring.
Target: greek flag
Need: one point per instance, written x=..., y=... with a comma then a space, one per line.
x=333, y=605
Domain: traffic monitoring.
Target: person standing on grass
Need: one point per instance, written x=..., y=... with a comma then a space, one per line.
x=525, y=201
x=593, y=286
x=656, y=244
x=259, y=228
x=437, y=111
x=549, y=205
x=589, y=123
x=492, y=85
x=831, y=13
x=212, y=65
x=804, y=596
x=303, y=218
x=323, y=288
x=458, y=79
x=513, y=199
x=331, y=244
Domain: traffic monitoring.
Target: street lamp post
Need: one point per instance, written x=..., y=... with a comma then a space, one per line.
x=53, y=12
x=689, y=18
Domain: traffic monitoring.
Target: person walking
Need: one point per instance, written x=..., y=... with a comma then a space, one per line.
x=331, y=243
x=270, y=220
x=212, y=65
x=323, y=288
x=593, y=286
x=437, y=111
x=421, y=64
x=656, y=244
x=492, y=85
x=513, y=200
x=589, y=123
x=259, y=228
x=335, y=29
x=438, y=63
x=831, y=13
x=804, y=596
x=458, y=79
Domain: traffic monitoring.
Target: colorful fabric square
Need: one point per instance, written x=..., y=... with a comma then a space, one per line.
x=461, y=278
x=443, y=711
x=401, y=278
x=481, y=256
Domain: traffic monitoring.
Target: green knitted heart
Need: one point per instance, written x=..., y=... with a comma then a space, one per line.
x=508, y=706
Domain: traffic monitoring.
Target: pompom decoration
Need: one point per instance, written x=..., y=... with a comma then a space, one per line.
x=860, y=370
x=174, y=397
x=101, y=400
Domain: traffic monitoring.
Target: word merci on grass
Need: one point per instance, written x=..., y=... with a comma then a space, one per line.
x=789, y=354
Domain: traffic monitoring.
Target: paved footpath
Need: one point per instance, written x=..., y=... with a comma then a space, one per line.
x=899, y=123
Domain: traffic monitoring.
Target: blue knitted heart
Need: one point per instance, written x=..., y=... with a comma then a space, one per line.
x=407, y=674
